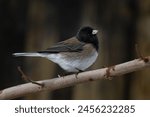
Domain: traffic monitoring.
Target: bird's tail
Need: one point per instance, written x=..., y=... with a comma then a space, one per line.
x=30, y=54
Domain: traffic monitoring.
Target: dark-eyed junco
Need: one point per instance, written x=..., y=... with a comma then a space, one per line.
x=74, y=54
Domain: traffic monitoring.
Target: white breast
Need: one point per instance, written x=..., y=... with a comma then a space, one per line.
x=73, y=64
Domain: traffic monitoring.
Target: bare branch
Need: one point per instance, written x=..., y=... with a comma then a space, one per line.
x=70, y=80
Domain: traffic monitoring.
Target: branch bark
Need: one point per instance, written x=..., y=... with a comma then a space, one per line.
x=70, y=80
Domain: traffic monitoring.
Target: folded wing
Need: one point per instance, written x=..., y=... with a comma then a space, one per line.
x=65, y=46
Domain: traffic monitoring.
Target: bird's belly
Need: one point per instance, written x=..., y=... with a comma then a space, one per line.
x=73, y=63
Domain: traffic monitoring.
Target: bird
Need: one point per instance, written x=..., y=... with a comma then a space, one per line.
x=74, y=54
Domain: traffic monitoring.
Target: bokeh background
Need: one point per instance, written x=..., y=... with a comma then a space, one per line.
x=30, y=25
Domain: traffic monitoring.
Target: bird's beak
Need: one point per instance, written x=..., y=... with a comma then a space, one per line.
x=94, y=32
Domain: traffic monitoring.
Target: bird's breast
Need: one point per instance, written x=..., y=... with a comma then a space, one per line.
x=74, y=61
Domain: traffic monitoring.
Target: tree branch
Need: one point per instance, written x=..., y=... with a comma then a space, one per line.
x=70, y=80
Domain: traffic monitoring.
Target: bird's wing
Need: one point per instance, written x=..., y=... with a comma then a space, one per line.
x=65, y=46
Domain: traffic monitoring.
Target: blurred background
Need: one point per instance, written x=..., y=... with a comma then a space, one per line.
x=31, y=25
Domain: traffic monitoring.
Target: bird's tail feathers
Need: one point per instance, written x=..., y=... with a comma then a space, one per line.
x=30, y=54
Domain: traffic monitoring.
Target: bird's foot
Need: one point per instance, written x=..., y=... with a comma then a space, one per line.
x=79, y=71
x=60, y=76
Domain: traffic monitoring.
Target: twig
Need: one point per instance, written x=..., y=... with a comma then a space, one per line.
x=108, y=75
x=27, y=79
x=140, y=54
x=138, y=51
x=70, y=80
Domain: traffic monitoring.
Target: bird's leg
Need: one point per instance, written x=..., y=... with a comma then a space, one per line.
x=79, y=71
x=62, y=74
x=59, y=76
x=69, y=73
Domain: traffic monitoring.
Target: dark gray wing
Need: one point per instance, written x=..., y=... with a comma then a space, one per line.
x=64, y=47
